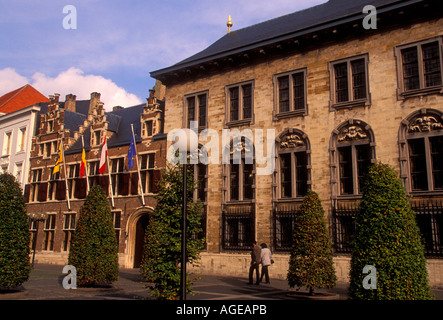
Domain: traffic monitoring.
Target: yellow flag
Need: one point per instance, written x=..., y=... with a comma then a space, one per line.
x=59, y=160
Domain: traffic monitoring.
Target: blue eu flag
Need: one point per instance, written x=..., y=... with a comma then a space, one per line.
x=132, y=153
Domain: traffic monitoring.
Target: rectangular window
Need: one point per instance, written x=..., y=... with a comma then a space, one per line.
x=285, y=175
x=49, y=231
x=290, y=94
x=437, y=161
x=48, y=149
x=420, y=67
x=147, y=165
x=36, y=178
x=73, y=174
x=240, y=103
x=363, y=162
x=248, y=181
x=196, y=109
x=148, y=128
x=117, y=167
x=354, y=162
x=235, y=181
x=417, y=160
x=349, y=82
x=346, y=174
x=68, y=230
x=18, y=171
x=21, y=139
x=116, y=218
x=96, y=138
x=7, y=144
x=293, y=174
x=301, y=173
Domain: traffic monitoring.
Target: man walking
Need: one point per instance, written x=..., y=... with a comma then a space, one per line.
x=255, y=263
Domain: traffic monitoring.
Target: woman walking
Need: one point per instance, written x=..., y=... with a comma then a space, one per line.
x=266, y=259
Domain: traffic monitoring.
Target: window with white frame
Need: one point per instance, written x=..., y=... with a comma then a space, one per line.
x=49, y=232
x=68, y=230
x=21, y=139
x=7, y=139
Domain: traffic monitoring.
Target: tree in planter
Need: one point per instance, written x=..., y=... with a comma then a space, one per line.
x=310, y=263
x=387, y=237
x=94, y=249
x=162, y=252
x=14, y=234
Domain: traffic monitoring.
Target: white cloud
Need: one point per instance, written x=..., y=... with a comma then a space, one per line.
x=73, y=81
x=10, y=80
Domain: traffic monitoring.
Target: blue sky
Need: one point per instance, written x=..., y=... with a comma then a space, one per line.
x=116, y=43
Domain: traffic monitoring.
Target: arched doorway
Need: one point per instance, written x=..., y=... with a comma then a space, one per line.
x=140, y=230
x=135, y=230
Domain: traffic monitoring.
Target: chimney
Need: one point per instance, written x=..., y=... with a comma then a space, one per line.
x=56, y=97
x=116, y=108
x=95, y=98
x=70, y=102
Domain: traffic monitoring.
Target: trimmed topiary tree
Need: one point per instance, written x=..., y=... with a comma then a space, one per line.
x=161, y=262
x=387, y=237
x=14, y=234
x=94, y=249
x=310, y=263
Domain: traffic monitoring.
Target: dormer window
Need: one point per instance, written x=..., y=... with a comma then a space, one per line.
x=96, y=138
x=50, y=126
x=148, y=128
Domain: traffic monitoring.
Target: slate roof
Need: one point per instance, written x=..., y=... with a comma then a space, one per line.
x=119, y=122
x=75, y=119
x=20, y=98
x=329, y=14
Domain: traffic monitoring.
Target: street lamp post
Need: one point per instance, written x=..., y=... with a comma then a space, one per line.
x=37, y=217
x=187, y=143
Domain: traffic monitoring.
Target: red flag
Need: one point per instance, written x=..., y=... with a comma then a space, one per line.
x=83, y=164
x=103, y=157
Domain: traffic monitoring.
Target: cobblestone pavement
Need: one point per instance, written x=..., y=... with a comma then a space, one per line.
x=45, y=283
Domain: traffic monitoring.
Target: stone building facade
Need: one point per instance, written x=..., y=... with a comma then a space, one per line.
x=339, y=97
x=54, y=200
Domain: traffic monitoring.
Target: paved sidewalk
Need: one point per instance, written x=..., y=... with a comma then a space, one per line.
x=45, y=283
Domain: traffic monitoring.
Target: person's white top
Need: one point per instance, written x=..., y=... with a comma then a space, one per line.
x=265, y=257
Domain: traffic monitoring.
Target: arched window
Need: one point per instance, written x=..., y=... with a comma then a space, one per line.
x=240, y=172
x=421, y=151
x=352, y=149
x=293, y=165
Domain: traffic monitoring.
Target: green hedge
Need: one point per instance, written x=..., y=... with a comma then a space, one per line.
x=94, y=249
x=310, y=263
x=14, y=234
x=387, y=237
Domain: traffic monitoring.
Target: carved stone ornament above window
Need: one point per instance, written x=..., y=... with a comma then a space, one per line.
x=240, y=146
x=291, y=141
x=352, y=133
x=424, y=124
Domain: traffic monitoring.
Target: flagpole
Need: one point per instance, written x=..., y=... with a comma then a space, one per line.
x=66, y=180
x=138, y=167
x=110, y=179
x=86, y=165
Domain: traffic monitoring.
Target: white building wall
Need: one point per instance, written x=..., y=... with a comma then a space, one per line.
x=15, y=159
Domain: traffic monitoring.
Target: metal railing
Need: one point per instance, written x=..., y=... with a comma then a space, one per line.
x=283, y=226
x=238, y=228
x=429, y=218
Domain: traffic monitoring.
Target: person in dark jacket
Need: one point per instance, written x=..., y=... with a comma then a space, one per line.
x=255, y=263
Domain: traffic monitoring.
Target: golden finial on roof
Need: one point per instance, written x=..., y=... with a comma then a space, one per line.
x=229, y=24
